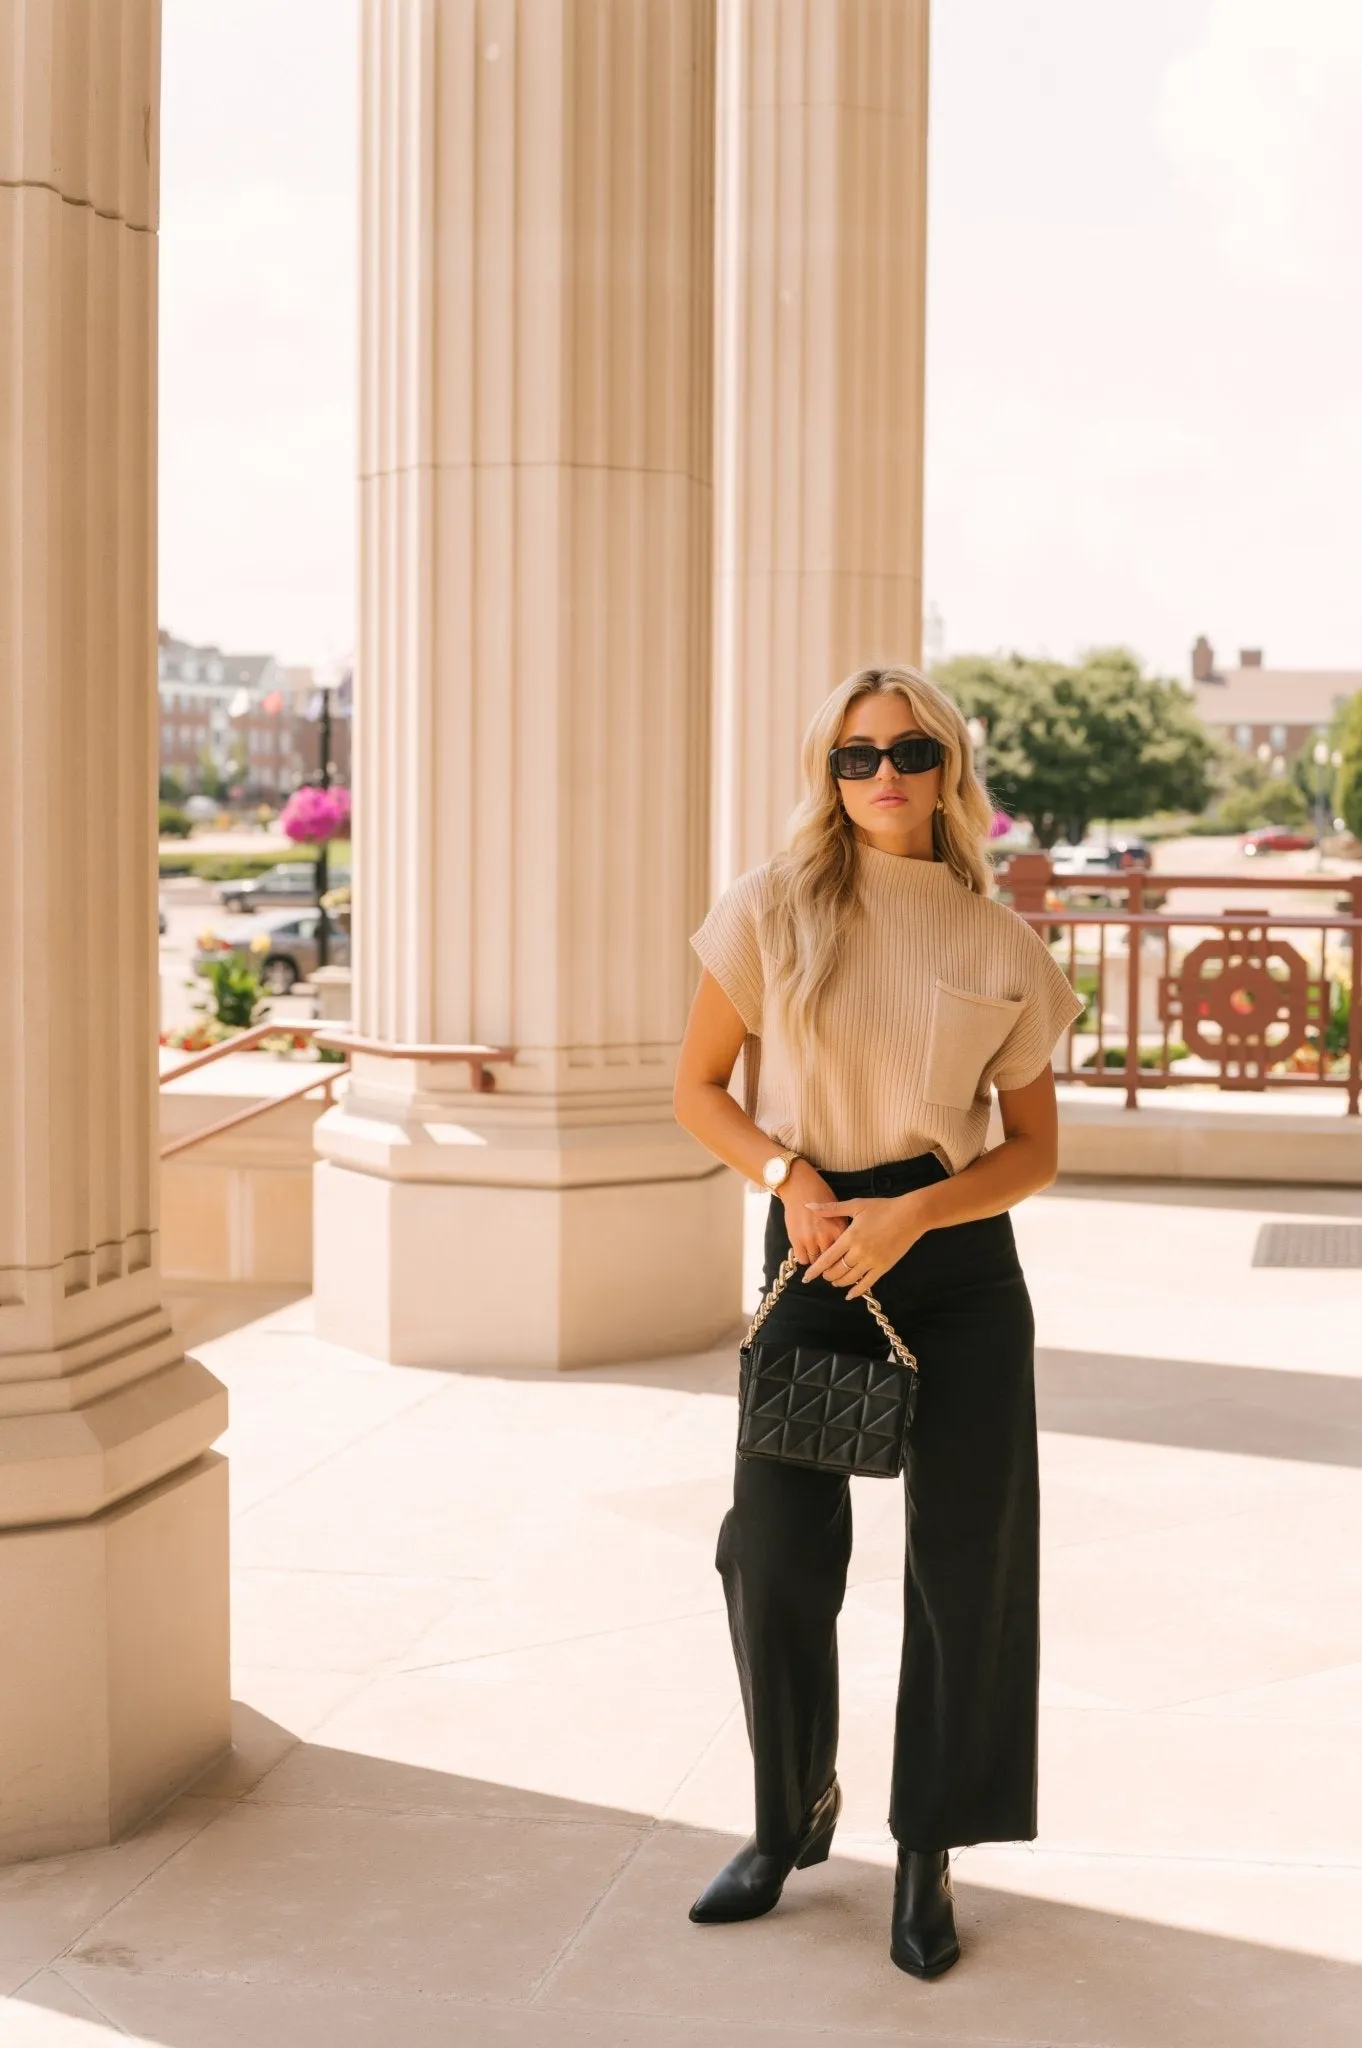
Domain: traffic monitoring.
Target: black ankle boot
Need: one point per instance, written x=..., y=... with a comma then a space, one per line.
x=750, y=1883
x=922, y=1937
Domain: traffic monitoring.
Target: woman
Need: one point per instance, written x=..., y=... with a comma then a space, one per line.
x=890, y=992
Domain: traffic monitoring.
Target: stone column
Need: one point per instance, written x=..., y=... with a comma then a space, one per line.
x=532, y=691
x=818, y=470
x=113, y=1564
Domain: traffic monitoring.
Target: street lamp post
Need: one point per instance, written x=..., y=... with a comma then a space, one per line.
x=320, y=709
x=1321, y=758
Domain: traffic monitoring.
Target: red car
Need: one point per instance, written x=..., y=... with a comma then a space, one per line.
x=1277, y=839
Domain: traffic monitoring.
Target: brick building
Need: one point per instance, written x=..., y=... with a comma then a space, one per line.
x=243, y=717
x=1256, y=707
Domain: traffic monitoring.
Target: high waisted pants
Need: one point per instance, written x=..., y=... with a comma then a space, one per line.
x=965, y=1729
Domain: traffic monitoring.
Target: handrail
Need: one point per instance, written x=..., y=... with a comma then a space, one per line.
x=326, y=1082
x=1210, y=920
x=1261, y=878
x=480, y=1058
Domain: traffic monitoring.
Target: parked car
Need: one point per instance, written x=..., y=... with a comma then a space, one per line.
x=1087, y=859
x=289, y=881
x=1277, y=839
x=289, y=956
x=1105, y=855
x=1081, y=871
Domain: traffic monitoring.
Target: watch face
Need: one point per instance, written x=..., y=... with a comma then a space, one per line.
x=774, y=1172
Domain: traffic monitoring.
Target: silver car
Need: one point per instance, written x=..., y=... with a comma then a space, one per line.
x=288, y=881
x=283, y=949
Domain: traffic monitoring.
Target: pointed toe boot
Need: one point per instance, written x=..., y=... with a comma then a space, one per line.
x=922, y=1938
x=750, y=1883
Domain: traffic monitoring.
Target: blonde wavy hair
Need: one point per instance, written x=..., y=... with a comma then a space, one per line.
x=814, y=898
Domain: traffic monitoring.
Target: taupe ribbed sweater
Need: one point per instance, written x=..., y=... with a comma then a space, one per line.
x=938, y=995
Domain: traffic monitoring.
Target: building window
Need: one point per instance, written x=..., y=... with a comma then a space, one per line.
x=167, y=738
x=1277, y=737
x=1243, y=736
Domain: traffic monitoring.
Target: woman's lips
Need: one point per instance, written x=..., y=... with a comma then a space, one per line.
x=895, y=802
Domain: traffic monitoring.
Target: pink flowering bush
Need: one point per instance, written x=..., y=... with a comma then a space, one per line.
x=312, y=816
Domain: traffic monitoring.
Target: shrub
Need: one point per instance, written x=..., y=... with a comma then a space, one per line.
x=1336, y=1030
x=1273, y=802
x=1150, y=1055
x=197, y=1037
x=172, y=822
x=238, y=997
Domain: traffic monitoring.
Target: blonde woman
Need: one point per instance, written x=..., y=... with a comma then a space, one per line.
x=891, y=993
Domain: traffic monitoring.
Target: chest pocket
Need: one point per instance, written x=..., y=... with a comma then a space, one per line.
x=965, y=1032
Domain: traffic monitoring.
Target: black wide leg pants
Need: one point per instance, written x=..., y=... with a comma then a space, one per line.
x=965, y=1730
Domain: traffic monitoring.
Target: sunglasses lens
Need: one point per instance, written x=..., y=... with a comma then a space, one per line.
x=855, y=764
x=916, y=756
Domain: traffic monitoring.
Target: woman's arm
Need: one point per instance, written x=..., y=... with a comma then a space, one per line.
x=704, y=1107
x=1027, y=1160
x=881, y=1230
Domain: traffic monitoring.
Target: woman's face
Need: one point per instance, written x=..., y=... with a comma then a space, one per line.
x=891, y=810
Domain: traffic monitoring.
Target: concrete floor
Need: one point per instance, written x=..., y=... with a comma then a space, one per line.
x=489, y=1743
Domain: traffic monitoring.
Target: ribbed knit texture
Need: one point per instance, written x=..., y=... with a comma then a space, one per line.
x=938, y=996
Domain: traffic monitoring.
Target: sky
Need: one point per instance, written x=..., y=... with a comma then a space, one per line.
x=1144, y=308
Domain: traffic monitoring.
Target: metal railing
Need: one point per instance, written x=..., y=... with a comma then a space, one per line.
x=1244, y=998
x=480, y=1059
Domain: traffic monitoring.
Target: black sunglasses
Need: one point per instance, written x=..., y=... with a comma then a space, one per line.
x=910, y=757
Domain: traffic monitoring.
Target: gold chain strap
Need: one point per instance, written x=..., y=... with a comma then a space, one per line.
x=790, y=1267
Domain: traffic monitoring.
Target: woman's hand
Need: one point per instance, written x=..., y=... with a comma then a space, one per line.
x=880, y=1231
x=803, y=1192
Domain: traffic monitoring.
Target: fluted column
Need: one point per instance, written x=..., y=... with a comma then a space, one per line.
x=532, y=689
x=113, y=1674
x=822, y=128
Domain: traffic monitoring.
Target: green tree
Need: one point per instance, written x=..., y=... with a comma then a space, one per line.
x=211, y=780
x=1070, y=744
x=1349, y=744
x=1272, y=800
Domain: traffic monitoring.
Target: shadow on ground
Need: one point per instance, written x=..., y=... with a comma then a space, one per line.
x=1274, y=1200
x=1187, y=1403
x=202, y=1310
x=311, y=1895
x=1255, y=1411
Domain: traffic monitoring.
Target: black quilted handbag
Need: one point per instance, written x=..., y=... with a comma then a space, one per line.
x=834, y=1410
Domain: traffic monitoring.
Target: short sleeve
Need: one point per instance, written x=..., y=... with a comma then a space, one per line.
x=729, y=946
x=1050, y=1005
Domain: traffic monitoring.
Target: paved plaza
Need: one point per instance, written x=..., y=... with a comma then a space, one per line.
x=489, y=1745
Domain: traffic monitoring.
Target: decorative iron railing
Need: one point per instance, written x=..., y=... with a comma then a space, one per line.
x=1242, y=998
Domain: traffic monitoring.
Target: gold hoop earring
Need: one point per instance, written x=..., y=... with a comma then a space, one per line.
x=941, y=803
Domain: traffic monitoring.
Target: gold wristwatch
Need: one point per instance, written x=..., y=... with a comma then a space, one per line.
x=776, y=1171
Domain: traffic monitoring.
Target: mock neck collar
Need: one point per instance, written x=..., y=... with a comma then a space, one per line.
x=900, y=871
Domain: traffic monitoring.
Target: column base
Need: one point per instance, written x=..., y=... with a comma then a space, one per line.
x=116, y=1686
x=463, y=1274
